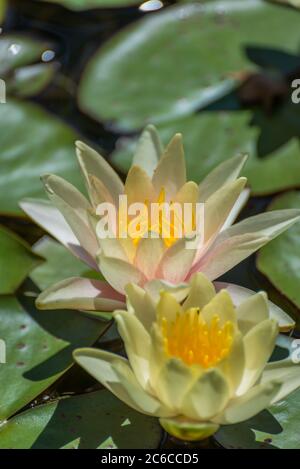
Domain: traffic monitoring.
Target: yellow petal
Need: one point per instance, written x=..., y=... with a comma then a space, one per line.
x=141, y=304
x=252, y=311
x=259, y=344
x=170, y=173
x=251, y=403
x=138, y=186
x=174, y=380
x=91, y=162
x=148, y=150
x=222, y=305
x=137, y=344
x=219, y=205
x=207, y=396
x=116, y=375
x=201, y=292
x=224, y=173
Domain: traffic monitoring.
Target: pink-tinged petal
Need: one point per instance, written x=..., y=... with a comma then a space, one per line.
x=224, y=173
x=269, y=224
x=176, y=262
x=119, y=273
x=239, y=241
x=91, y=162
x=74, y=207
x=239, y=204
x=241, y=294
x=170, y=173
x=148, y=255
x=148, y=150
x=222, y=256
x=111, y=247
x=219, y=206
x=50, y=219
x=81, y=293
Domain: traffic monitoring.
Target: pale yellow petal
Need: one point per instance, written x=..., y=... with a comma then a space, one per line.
x=170, y=173
x=224, y=173
x=201, y=292
x=259, y=344
x=207, y=396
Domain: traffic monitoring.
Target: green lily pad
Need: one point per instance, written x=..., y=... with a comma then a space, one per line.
x=23, y=64
x=279, y=260
x=212, y=137
x=39, y=347
x=32, y=143
x=91, y=4
x=17, y=260
x=90, y=421
x=60, y=264
x=128, y=83
x=3, y=6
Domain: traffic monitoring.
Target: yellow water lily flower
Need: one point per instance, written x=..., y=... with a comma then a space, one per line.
x=157, y=175
x=195, y=365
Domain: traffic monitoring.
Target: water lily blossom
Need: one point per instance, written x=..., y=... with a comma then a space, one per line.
x=195, y=365
x=157, y=175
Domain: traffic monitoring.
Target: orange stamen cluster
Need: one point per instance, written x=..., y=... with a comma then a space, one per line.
x=195, y=341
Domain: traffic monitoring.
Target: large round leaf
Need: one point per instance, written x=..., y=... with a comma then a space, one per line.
x=16, y=261
x=173, y=62
x=24, y=65
x=32, y=142
x=90, y=421
x=212, y=137
x=89, y=4
x=279, y=260
x=39, y=347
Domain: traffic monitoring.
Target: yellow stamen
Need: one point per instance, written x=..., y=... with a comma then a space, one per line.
x=195, y=341
x=169, y=225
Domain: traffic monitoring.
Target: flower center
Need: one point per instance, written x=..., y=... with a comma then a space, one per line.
x=195, y=341
x=167, y=219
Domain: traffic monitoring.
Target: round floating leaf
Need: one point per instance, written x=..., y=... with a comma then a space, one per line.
x=39, y=347
x=171, y=63
x=22, y=64
x=60, y=264
x=32, y=143
x=90, y=421
x=212, y=137
x=279, y=260
x=90, y=4
x=16, y=261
